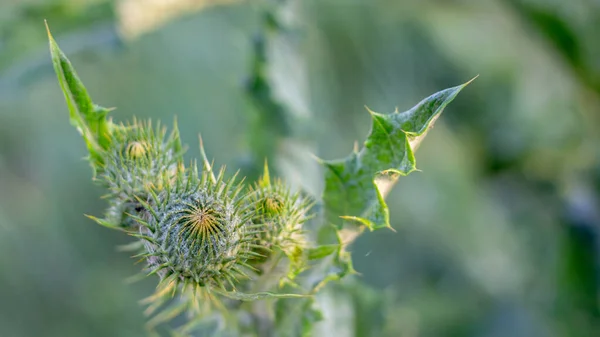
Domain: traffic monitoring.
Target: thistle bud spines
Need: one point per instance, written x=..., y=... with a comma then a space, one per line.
x=138, y=158
x=199, y=233
x=280, y=212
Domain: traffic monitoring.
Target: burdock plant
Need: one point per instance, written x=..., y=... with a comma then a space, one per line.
x=235, y=258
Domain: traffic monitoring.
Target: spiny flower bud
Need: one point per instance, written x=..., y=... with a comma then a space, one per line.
x=200, y=231
x=138, y=157
x=280, y=212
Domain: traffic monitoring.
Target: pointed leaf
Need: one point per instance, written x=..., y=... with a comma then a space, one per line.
x=322, y=251
x=355, y=187
x=89, y=119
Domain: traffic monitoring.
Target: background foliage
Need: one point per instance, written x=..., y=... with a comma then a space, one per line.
x=498, y=236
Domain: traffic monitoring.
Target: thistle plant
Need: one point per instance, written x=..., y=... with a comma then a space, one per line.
x=234, y=257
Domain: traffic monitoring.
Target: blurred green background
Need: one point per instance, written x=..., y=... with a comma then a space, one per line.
x=498, y=236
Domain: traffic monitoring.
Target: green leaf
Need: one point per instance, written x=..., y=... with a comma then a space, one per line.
x=89, y=119
x=236, y=295
x=355, y=187
x=332, y=267
x=322, y=251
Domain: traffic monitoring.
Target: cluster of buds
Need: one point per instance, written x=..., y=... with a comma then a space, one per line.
x=194, y=228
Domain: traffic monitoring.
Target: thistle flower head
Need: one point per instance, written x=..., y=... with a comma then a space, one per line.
x=199, y=231
x=280, y=212
x=137, y=158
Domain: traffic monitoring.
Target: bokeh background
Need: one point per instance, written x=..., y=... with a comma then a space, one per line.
x=497, y=236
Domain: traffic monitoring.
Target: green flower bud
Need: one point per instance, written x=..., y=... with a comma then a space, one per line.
x=281, y=213
x=138, y=157
x=200, y=231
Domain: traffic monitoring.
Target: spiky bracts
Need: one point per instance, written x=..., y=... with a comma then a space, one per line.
x=280, y=212
x=199, y=230
x=138, y=158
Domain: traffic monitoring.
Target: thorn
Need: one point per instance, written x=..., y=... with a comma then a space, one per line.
x=371, y=112
x=266, y=178
x=48, y=30
x=316, y=158
x=471, y=80
x=205, y=159
x=104, y=223
x=135, y=278
x=103, y=109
